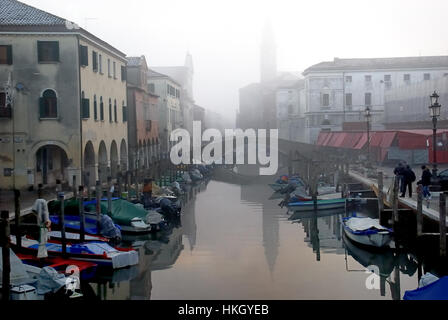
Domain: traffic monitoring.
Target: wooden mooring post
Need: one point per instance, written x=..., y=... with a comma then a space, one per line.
x=442, y=224
x=63, y=239
x=82, y=221
x=380, y=193
x=17, y=217
x=5, y=243
x=75, y=189
x=395, y=201
x=98, y=195
x=109, y=194
x=419, y=210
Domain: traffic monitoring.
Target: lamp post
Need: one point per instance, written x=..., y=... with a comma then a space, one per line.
x=434, y=111
x=368, y=115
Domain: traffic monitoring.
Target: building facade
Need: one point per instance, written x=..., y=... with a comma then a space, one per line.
x=170, y=115
x=338, y=91
x=58, y=82
x=183, y=75
x=143, y=122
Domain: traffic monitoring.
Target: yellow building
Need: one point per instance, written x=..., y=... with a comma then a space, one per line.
x=62, y=101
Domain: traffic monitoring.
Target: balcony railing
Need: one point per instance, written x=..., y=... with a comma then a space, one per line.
x=5, y=112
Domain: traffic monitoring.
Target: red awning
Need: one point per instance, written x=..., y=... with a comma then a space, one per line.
x=322, y=137
x=362, y=142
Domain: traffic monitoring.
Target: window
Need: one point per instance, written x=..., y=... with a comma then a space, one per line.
x=114, y=70
x=94, y=61
x=6, y=55
x=290, y=109
x=125, y=112
x=5, y=109
x=325, y=99
x=407, y=77
x=48, y=51
x=348, y=99
x=148, y=125
x=108, y=68
x=123, y=73
x=100, y=62
x=115, y=111
x=387, y=77
x=368, y=78
x=85, y=107
x=368, y=99
x=348, y=79
x=426, y=76
x=151, y=87
x=95, y=109
x=2, y=99
x=83, y=56
x=110, y=110
x=101, y=109
x=48, y=104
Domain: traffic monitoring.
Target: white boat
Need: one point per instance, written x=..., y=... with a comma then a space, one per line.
x=367, y=231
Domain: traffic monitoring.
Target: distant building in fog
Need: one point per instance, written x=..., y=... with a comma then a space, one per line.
x=338, y=91
x=183, y=75
x=143, y=117
x=257, y=100
x=407, y=107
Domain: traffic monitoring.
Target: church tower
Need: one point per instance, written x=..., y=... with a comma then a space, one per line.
x=268, y=54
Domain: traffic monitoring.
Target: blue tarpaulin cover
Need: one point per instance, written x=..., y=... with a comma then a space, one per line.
x=437, y=290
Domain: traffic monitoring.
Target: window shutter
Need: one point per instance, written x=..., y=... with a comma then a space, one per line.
x=9, y=55
x=85, y=108
x=123, y=73
x=125, y=114
x=83, y=56
x=95, y=61
x=41, y=108
x=39, y=51
x=56, y=48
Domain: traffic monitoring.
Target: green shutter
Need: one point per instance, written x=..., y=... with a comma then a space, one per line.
x=56, y=53
x=85, y=108
x=9, y=55
x=125, y=114
x=95, y=110
x=83, y=56
x=41, y=108
x=123, y=73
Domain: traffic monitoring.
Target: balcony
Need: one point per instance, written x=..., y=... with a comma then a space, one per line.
x=5, y=112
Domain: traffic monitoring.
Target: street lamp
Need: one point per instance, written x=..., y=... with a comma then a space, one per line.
x=368, y=115
x=434, y=111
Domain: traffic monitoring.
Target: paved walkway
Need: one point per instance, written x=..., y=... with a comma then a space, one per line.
x=27, y=199
x=432, y=211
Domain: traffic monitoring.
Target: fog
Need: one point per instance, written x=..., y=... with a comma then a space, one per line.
x=224, y=36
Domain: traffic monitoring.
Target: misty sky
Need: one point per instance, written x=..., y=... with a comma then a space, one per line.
x=224, y=36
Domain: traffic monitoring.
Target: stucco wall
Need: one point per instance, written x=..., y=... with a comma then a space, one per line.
x=31, y=133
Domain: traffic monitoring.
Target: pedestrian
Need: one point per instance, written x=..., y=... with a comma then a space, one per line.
x=425, y=182
x=398, y=172
x=40, y=207
x=408, y=179
x=147, y=192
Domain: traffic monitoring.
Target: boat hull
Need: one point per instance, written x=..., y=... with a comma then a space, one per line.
x=378, y=239
x=321, y=205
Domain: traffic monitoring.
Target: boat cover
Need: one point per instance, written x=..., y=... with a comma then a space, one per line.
x=362, y=225
x=18, y=274
x=437, y=290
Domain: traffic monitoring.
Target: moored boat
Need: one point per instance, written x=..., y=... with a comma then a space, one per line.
x=100, y=253
x=367, y=231
x=322, y=204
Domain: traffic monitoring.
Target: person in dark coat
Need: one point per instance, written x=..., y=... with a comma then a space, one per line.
x=408, y=179
x=425, y=182
x=398, y=172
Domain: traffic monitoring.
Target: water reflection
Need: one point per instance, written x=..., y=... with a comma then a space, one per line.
x=233, y=242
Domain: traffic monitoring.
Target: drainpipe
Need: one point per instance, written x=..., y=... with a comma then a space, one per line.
x=80, y=114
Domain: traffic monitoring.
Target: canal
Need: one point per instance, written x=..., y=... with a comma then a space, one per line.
x=234, y=242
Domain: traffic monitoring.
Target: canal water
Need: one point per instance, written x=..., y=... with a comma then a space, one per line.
x=234, y=242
